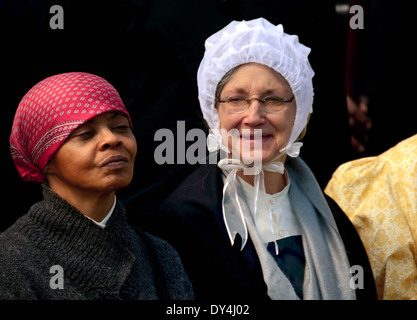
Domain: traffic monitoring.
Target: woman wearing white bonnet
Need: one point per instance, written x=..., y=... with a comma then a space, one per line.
x=256, y=225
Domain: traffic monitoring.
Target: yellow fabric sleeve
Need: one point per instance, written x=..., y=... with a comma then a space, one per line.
x=379, y=195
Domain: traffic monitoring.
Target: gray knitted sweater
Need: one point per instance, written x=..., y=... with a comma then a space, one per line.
x=88, y=262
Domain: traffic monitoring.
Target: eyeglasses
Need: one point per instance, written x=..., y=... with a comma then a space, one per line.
x=270, y=104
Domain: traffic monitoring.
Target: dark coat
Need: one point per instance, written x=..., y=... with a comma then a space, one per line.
x=95, y=263
x=191, y=220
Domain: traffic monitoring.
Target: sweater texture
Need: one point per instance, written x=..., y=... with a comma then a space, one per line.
x=116, y=262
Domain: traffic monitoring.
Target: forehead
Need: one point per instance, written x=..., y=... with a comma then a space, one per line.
x=255, y=76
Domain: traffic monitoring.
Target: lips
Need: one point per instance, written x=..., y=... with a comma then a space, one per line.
x=252, y=137
x=115, y=161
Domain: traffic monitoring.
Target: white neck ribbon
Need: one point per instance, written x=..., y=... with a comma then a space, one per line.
x=233, y=214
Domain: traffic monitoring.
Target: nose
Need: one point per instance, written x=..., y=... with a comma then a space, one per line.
x=255, y=115
x=108, y=139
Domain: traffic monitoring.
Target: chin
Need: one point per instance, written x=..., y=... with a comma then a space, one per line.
x=117, y=182
x=273, y=157
x=264, y=156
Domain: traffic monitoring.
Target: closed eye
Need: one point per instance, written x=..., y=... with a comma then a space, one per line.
x=273, y=99
x=84, y=135
x=122, y=128
x=234, y=99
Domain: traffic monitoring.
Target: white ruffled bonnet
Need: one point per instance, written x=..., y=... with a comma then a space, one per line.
x=262, y=42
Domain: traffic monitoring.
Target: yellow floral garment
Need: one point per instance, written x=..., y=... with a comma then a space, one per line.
x=379, y=195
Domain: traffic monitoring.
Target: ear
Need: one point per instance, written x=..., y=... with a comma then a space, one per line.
x=49, y=168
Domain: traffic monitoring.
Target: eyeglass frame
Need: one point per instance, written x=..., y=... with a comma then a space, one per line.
x=261, y=100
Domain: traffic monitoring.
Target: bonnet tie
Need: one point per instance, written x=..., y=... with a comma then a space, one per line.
x=233, y=213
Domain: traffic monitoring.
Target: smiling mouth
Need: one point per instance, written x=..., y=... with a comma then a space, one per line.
x=252, y=137
x=115, y=162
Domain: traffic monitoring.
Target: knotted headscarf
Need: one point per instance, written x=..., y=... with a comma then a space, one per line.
x=50, y=111
x=243, y=42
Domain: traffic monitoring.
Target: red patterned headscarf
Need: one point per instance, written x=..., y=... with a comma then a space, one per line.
x=51, y=111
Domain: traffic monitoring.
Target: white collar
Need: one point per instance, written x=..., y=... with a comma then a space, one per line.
x=282, y=223
x=103, y=222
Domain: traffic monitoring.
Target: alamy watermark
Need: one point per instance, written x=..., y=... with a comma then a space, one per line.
x=57, y=280
x=246, y=146
x=356, y=280
x=357, y=277
x=355, y=22
x=57, y=20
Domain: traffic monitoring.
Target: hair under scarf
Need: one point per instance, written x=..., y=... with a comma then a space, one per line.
x=51, y=111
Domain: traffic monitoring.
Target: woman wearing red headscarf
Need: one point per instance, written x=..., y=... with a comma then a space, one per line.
x=72, y=133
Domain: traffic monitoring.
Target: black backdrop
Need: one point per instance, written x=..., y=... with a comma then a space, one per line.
x=150, y=51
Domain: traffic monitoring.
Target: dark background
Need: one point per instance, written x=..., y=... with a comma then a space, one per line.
x=150, y=51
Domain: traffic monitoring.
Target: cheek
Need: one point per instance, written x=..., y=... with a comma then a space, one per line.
x=284, y=124
x=229, y=121
x=284, y=128
x=229, y=127
x=71, y=163
x=131, y=146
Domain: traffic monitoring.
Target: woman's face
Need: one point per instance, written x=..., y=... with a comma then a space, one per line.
x=255, y=80
x=97, y=157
